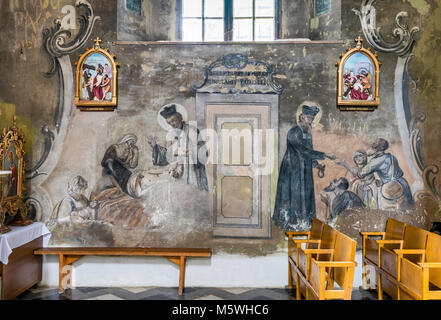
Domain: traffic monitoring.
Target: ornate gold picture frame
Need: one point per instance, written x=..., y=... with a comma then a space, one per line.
x=11, y=185
x=358, y=79
x=96, y=80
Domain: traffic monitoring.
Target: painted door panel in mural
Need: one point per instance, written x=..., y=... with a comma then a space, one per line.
x=240, y=205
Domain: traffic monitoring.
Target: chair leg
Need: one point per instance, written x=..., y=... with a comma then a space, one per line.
x=379, y=288
x=298, y=293
x=363, y=274
x=289, y=276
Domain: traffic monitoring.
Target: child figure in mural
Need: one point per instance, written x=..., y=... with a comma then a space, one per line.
x=182, y=152
x=338, y=198
x=76, y=207
x=366, y=188
x=295, y=201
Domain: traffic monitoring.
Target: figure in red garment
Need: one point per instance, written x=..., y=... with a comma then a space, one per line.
x=12, y=178
x=98, y=83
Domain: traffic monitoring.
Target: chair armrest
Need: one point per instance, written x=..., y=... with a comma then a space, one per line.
x=316, y=251
x=336, y=264
x=409, y=251
x=389, y=241
x=430, y=264
x=296, y=233
x=306, y=241
x=368, y=233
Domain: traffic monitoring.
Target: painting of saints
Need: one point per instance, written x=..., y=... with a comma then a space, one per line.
x=295, y=200
x=183, y=150
x=96, y=79
x=98, y=84
x=11, y=164
x=357, y=78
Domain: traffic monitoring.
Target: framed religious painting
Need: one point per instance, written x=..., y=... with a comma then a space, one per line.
x=358, y=79
x=96, y=80
x=12, y=178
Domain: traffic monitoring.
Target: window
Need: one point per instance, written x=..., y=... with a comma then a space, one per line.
x=228, y=20
x=202, y=20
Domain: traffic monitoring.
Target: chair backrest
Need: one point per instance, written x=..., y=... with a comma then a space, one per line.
x=414, y=238
x=327, y=238
x=344, y=250
x=394, y=229
x=433, y=254
x=316, y=229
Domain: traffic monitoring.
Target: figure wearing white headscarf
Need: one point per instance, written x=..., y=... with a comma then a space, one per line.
x=120, y=159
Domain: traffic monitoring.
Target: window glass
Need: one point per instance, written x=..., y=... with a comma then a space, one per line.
x=192, y=30
x=264, y=8
x=242, y=8
x=191, y=8
x=214, y=8
x=214, y=30
x=243, y=30
x=264, y=29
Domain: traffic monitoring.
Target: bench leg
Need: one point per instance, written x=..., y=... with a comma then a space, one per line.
x=65, y=271
x=181, y=275
x=180, y=261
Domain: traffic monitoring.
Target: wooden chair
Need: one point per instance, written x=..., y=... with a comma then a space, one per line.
x=390, y=238
x=338, y=270
x=323, y=252
x=311, y=241
x=412, y=246
x=422, y=281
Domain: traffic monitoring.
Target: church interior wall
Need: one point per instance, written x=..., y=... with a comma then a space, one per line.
x=156, y=71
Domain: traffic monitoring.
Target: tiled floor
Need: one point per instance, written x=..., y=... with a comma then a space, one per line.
x=161, y=293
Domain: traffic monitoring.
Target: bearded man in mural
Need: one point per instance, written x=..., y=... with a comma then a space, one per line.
x=181, y=152
x=295, y=200
x=338, y=198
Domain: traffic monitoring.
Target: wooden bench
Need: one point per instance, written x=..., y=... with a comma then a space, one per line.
x=295, y=244
x=391, y=238
x=413, y=247
x=301, y=263
x=338, y=269
x=68, y=255
x=422, y=281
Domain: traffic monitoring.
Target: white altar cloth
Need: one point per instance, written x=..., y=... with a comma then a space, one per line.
x=19, y=236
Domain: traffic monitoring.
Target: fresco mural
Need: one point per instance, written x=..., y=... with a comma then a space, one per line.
x=146, y=187
x=134, y=204
x=295, y=200
x=375, y=181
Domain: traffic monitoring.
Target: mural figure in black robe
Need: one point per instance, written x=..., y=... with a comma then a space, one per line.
x=295, y=201
x=183, y=151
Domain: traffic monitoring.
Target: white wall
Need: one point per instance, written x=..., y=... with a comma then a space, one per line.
x=222, y=270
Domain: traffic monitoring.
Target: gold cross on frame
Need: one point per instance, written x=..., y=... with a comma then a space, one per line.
x=359, y=41
x=97, y=42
